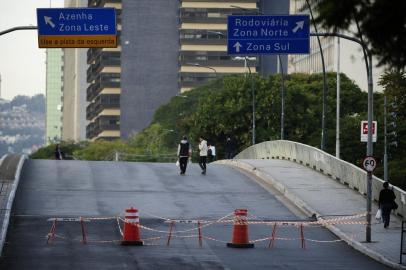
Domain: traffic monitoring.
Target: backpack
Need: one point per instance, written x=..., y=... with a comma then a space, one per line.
x=184, y=149
x=209, y=152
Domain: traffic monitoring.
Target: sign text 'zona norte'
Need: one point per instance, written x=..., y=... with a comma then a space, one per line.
x=263, y=34
x=77, y=27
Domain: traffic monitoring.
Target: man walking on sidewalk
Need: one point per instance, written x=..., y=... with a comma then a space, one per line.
x=203, y=154
x=184, y=152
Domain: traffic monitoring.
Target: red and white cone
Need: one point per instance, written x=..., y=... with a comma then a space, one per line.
x=131, y=235
x=240, y=230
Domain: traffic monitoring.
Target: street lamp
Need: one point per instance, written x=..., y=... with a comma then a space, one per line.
x=246, y=58
x=203, y=66
x=257, y=12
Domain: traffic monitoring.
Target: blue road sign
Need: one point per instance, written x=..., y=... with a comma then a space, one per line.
x=260, y=34
x=76, y=27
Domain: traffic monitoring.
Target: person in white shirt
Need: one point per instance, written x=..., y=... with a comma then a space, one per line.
x=202, y=154
x=211, y=153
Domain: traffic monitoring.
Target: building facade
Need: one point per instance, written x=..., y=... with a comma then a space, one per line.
x=74, y=89
x=350, y=60
x=104, y=84
x=166, y=47
x=54, y=79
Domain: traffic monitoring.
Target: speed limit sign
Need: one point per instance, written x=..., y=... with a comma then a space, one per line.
x=369, y=164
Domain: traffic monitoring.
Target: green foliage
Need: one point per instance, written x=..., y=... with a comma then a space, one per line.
x=68, y=148
x=100, y=150
x=394, y=84
x=382, y=24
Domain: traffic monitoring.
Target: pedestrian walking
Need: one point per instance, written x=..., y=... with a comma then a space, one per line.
x=386, y=203
x=202, y=154
x=58, y=152
x=211, y=153
x=230, y=148
x=184, y=152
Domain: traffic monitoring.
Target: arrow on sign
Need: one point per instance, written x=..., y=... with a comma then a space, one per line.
x=299, y=25
x=237, y=46
x=48, y=20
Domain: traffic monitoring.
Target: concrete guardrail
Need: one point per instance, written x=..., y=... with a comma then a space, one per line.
x=9, y=200
x=345, y=172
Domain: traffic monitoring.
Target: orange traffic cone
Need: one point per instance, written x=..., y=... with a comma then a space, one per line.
x=131, y=235
x=240, y=230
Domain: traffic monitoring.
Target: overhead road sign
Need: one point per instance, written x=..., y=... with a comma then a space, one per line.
x=77, y=27
x=258, y=34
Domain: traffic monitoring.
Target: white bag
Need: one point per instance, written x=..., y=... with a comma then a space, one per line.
x=177, y=163
x=378, y=215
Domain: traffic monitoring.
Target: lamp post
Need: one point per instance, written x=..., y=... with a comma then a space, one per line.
x=246, y=65
x=203, y=66
x=323, y=117
x=282, y=99
x=368, y=64
x=257, y=12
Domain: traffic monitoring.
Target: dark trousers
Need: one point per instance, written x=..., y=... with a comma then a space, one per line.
x=386, y=208
x=230, y=155
x=202, y=162
x=183, y=164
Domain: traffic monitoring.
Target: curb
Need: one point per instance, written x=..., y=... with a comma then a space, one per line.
x=267, y=179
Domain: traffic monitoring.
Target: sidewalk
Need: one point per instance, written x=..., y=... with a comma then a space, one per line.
x=316, y=193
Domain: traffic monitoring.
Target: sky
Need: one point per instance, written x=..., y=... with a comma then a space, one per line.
x=22, y=63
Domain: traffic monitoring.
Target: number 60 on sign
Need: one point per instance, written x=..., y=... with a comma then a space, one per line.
x=369, y=164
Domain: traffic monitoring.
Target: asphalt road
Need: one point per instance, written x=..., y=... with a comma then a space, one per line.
x=104, y=189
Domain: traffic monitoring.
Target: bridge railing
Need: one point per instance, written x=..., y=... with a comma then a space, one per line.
x=345, y=172
x=9, y=179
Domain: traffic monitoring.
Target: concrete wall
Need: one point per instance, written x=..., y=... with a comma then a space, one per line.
x=10, y=170
x=345, y=172
x=149, y=60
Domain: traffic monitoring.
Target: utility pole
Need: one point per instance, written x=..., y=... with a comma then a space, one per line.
x=369, y=148
x=385, y=154
x=338, y=101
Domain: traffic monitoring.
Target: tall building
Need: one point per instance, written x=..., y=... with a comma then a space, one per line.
x=351, y=59
x=74, y=88
x=166, y=47
x=104, y=84
x=53, y=95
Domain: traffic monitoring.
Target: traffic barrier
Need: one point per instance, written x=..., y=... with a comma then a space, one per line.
x=240, y=230
x=131, y=229
x=131, y=234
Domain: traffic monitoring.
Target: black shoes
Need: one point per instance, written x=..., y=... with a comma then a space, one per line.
x=204, y=172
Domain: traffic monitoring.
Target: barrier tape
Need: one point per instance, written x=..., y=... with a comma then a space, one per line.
x=205, y=223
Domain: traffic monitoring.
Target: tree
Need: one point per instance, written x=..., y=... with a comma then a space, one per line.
x=382, y=23
x=394, y=84
x=225, y=109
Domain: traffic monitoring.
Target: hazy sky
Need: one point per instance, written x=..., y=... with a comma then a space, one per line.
x=22, y=63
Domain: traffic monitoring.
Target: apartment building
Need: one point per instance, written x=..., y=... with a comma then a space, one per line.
x=350, y=60
x=74, y=88
x=165, y=47
x=54, y=83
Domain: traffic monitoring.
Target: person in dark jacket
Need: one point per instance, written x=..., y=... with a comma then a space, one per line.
x=386, y=203
x=184, y=152
x=230, y=148
x=58, y=152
